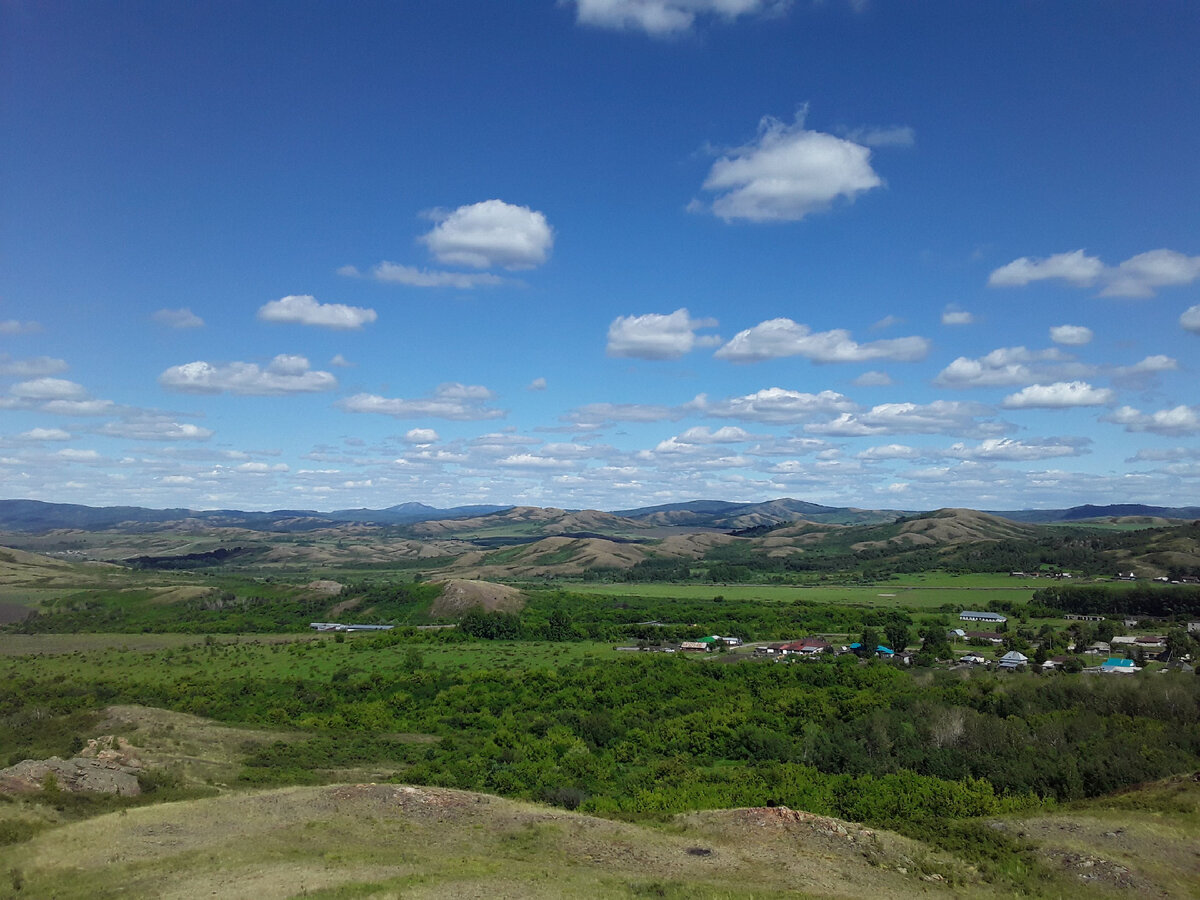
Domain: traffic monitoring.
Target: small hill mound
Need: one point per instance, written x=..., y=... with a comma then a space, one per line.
x=460, y=596
x=387, y=840
x=952, y=526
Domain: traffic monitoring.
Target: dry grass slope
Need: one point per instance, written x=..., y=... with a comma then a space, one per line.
x=386, y=840
x=460, y=596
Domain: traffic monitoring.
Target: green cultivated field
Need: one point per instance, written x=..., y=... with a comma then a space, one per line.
x=911, y=592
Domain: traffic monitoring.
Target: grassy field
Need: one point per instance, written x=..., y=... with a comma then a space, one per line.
x=963, y=592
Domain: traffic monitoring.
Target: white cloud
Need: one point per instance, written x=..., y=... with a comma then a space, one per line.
x=178, y=318
x=155, y=429
x=1060, y=395
x=538, y=384
x=662, y=18
x=873, y=379
x=46, y=434
x=303, y=309
x=657, y=336
x=890, y=451
x=491, y=234
x=782, y=337
x=597, y=414
x=421, y=436
x=1016, y=450
x=1139, y=276
x=340, y=361
x=939, y=417
x=1075, y=267
x=31, y=368
x=12, y=326
x=72, y=455
x=885, y=136
x=458, y=402
x=80, y=407
x=1177, y=421
x=774, y=406
x=1008, y=365
x=1071, y=335
x=261, y=468
x=954, y=316
x=48, y=389
x=788, y=173
x=1190, y=320
x=394, y=273
x=284, y=375
x=728, y=434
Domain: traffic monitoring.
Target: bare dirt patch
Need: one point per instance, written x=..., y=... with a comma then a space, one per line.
x=459, y=596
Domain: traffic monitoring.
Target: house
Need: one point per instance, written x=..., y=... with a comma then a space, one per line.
x=1130, y=622
x=1077, y=618
x=1054, y=662
x=1126, y=576
x=1119, y=665
x=806, y=647
x=1151, y=642
x=957, y=634
x=696, y=646
x=992, y=637
x=1098, y=647
x=1012, y=659
x=769, y=649
x=974, y=659
x=973, y=616
x=904, y=657
x=881, y=651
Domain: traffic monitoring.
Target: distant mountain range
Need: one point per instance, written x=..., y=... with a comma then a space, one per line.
x=31, y=516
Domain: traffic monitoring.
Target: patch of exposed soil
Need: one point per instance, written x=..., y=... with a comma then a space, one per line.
x=460, y=596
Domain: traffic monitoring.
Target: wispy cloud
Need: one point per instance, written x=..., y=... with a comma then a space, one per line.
x=460, y=402
x=284, y=375
x=1139, y=276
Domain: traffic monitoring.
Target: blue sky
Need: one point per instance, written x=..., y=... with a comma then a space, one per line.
x=599, y=253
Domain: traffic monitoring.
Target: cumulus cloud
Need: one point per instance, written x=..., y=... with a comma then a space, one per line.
x=1016, y=450
x=1071, y=335
x=538, y=384
x=451, y=400
x=782, y=337
x=303, y=309
x=491, y=234
x=873, y=379
x=395, y=273
x=421, y=436
x=46, y=434
x=774, y=406
x=31, y=368
x=1060, y=395
x=48, y=389
x=662, y=18
x=154, y=428
x=178, y=318
x=1139, y=276
x=1190, y=320
x=890, y=451
x=285, y=374
x=939, y=417
x=1177, y=421
x=788, y=173
x=657, y=336
x=951, y=315
x=1008, y=365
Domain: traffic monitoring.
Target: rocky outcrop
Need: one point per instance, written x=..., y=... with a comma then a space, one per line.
x=107, y=765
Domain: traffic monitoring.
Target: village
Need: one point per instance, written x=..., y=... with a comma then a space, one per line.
x=1125, y=654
